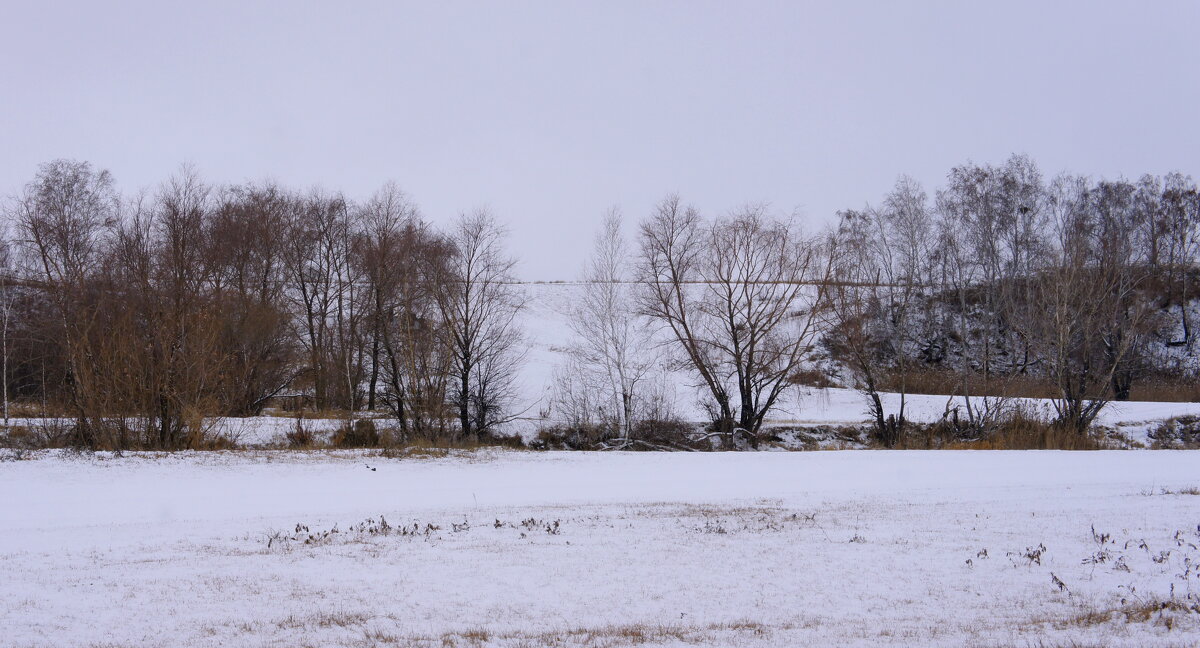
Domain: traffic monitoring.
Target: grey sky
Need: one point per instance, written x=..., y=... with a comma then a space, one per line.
x=551, y=112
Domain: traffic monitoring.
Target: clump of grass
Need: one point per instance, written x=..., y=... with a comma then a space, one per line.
x=217, y=442
x=15, y=454
x=1019, y=430
x=650, y=435
x=1162, y=612
x=301, y=437
x=337, y=618
x=395, y=448
x=1187, y=490
x=360, y=433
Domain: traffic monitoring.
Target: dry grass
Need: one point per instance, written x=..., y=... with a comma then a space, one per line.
x=392, y=447
x=1161, y=389
x=611, y=636
x=1188, y=490
x=951, y=383
x=301, y=437
x=357, y=434
x=1158, y=612
x=1020, y=431
x=1031, y=438
x=1167, y=391
x=333, y=619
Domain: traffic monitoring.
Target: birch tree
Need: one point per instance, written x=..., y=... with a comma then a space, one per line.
x=613, y=349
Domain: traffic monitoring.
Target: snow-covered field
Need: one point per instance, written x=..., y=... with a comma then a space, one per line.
x=504, y=548
x=508, y=548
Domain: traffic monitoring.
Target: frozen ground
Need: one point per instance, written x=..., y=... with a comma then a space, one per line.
x=498, y=548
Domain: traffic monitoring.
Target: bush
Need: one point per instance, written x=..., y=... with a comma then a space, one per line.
x=50, y=433
x=1022, y=431
x=301, y=437
x=357, y=434
x=1017, y=430
x=499, y=440
x=664, y=432
x=650, y=434
x=572, y=437
x=1179, y=433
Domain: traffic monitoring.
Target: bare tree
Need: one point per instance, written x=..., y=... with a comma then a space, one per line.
x=249, y=244
x=64, y=216
x=612, y=356
x=403, y=261
x=958, y=293
x=181, y=324
x=6, y=311
x=741, y=296
x=879, y=297
x=998, y=217
x=1087, y=307
x=1175, y=244
x=479, y=303
x=991, y=225
x=324, y=286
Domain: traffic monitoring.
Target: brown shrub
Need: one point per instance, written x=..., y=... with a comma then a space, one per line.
x=650, y=434
x=1019, y=431
x=669, y=432
x=357, y=434
x=571, y=437
x=944, y=382
x=1024, y=432
x=301, y=436
x=499, y=440
x=216, y=442
x=811, y=378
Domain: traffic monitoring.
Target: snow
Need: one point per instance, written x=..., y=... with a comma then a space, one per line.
x=860, y=548
x=1133, y=419
x=803, y=407
x=505, y=548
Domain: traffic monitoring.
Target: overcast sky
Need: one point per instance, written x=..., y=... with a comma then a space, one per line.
x=549, y=113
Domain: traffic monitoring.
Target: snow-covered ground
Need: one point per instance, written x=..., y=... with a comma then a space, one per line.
x=806, y=408
x=510, y=548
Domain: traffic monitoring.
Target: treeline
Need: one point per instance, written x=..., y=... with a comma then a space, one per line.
x=999, y=285
x=1004, y=283
x=142, y=317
